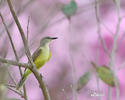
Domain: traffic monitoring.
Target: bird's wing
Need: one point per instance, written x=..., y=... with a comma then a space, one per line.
x=36, y=53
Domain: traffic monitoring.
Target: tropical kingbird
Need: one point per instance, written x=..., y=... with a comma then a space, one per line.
x=40, y=57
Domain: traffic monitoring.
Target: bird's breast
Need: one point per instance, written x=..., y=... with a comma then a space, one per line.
x=42, y=58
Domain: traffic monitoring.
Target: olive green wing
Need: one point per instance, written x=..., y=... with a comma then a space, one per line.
x=36, y=53
x=34, y=56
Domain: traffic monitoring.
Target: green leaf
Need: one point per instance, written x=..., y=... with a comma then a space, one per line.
x=69, y=9
x=105, y=74
x=83, y=80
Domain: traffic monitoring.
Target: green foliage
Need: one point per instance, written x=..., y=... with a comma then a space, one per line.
x=105, y=74
x=83, y=80
x=69, y=9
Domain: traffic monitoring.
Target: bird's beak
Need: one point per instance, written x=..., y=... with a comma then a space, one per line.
x=53, y=38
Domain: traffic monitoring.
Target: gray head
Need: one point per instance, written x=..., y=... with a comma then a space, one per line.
x=46, y=40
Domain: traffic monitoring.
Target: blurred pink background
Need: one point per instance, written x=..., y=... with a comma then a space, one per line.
x=46, y=19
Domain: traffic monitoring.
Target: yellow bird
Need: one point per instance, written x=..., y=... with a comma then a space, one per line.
x=40, y=57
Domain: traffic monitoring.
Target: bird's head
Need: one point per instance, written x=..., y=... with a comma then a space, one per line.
x=46, y=40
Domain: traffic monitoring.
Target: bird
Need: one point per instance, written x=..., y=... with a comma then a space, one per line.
x=41, y=55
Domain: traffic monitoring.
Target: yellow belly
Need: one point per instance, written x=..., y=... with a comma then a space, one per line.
x=40, y=60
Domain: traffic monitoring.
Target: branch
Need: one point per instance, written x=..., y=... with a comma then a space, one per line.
x=99, y=28
x=32, y=68
x=28, y=28
x=14, y=50
x=11, y=62
x=8, y=33
x=17, y=92
x=74, y=78
x=19, y=11
x=112, y=56
x=107, y=28
x=11, y=77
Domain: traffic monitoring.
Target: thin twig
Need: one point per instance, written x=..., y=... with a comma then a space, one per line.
x=74, y=86
x=100, y=37
x=28, y=28
x=9, y=36
x=19, y=11
x=112, y=56
x=107, y=28
x=99, y=28
x=11, y=77
x=109, y=94
x=13, y=47
x=32, y=68
x=17, y=92
x=86, y=7
x=11, y=44
x=97, y=78
x=113, y=49
x=13, y=86
x=11, y=62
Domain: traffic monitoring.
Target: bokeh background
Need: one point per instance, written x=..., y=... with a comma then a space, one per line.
x=77, y=45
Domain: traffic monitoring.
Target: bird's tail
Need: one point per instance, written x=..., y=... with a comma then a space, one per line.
x=21, y=82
